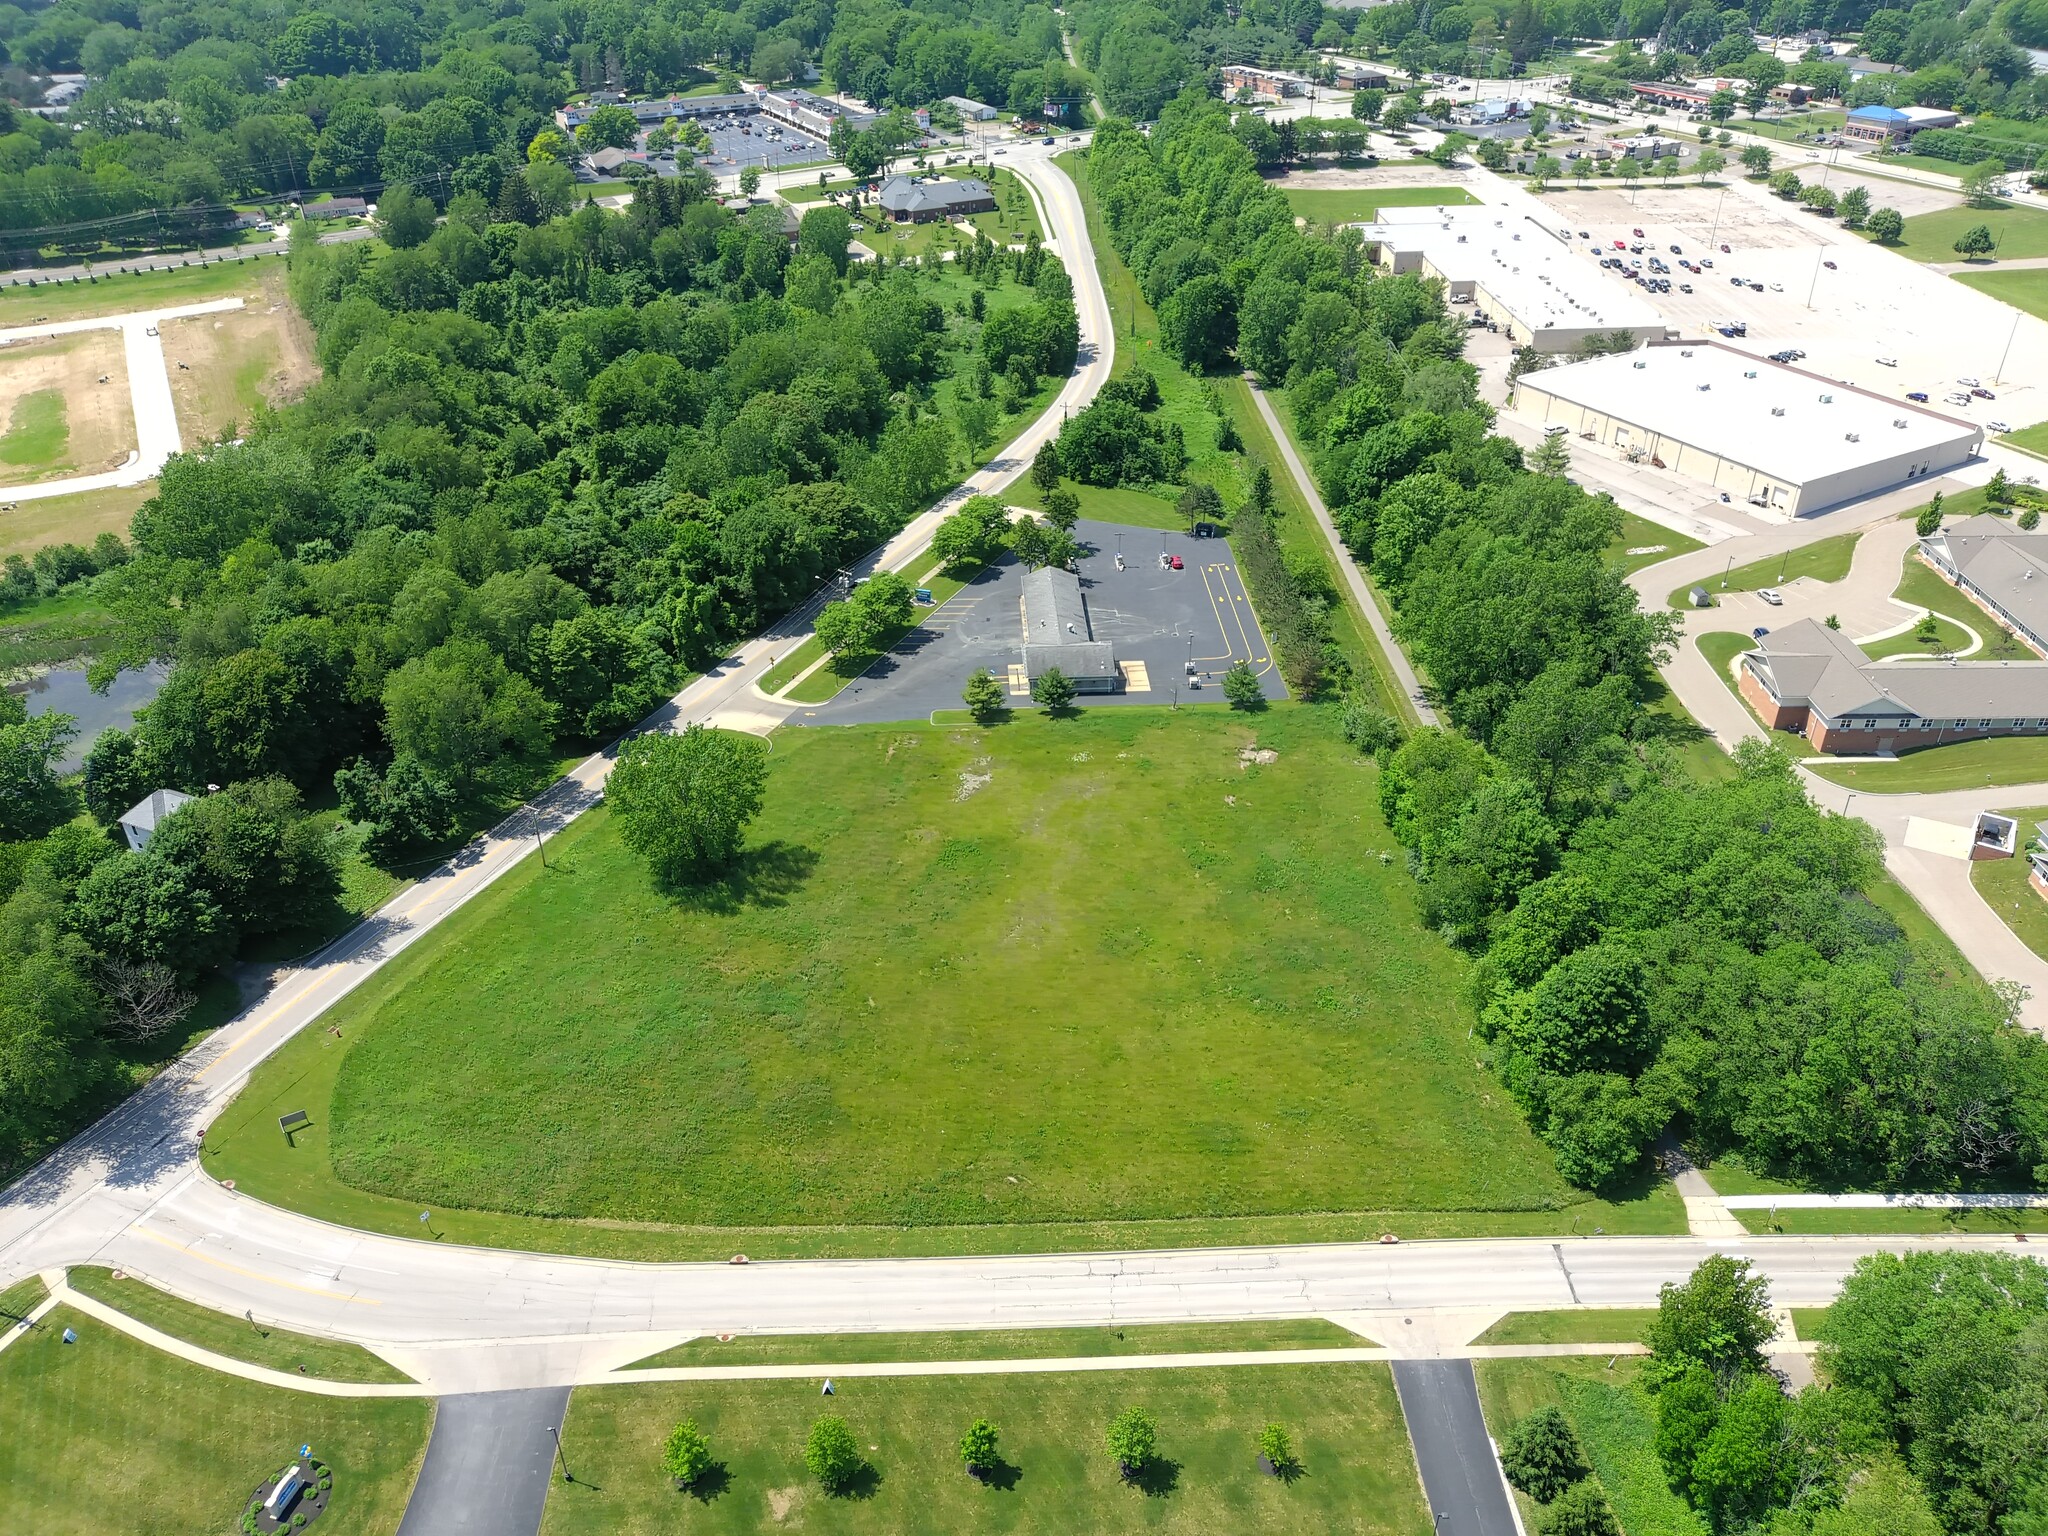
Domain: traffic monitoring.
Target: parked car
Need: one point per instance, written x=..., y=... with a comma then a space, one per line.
x=1794, y=353
x=1736, y=281
x=1996, y=426
x=1967, y=383
x=1685, y=287
x=1956, y=399
x=1175, y=562
x=1706, y=261
x=1830, y=266
x=1887, y=362
x=1584, y=236
x=1771, y=595
x=1637, y=233
x=1983, y=394
x=1917, y=394
x=1724, y=250
x=1675, y=250
x=1777, y=287
x=1758, y=287
x=1621, y=245
x=1759, y=632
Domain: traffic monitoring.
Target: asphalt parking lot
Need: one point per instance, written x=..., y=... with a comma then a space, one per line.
x=1160, y=620
x=744, y=141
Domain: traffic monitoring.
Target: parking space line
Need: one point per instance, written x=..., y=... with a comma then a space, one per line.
x=1222, y=626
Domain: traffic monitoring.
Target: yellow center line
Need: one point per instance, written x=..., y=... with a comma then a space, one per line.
x=236, y=1269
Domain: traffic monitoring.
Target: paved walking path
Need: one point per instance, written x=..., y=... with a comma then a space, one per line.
x=1397, y=659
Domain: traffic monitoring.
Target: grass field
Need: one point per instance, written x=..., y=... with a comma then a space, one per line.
x=108, y=1437
x=1321, y=205
x=1616, y=1426
x=1106, y=503
x=75, y=519
x=1888, y=1223
x=2003, y=885
x=1642, y=542
x=2025, y=289
x=117, y=293
x=1358, y=1472
x=22, y=1298
x=861, y=1031
x=1823, y=560
x=1572, y=1325
x=59, y=419
x=235, y=1337
x=1949, y=637
x=1668, y=721
x=1922, y=586
x=1008, y=1344
x=2033, y=439
x=241, y=361
x=1965, y=765
x=2018, y=232
x=1792, y=129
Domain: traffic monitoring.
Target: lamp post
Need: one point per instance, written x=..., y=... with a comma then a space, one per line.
x=567, y=1476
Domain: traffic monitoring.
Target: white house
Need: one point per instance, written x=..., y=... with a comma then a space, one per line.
x=143, y=819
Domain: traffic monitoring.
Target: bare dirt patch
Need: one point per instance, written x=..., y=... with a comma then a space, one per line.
x=1345, y=180
x=1263, y=757
x=238, y=362
x=57, y=417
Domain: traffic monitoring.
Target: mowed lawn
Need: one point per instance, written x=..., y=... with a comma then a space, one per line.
x=2025, y=289
x=108, y=1437
x=1330, y=205
x=1052, y=971
x=1358, y=1472
x=2018, y=232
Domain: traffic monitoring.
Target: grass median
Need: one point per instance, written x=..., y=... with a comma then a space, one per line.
x=1009, y=1344
x=1358, y=1474
x=1093, y=981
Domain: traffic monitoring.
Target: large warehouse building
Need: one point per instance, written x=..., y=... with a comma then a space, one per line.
x=1783, y=440
x=1513, y=269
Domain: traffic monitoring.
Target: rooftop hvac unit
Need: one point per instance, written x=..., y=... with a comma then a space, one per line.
x=1777, y=410
x=1703, y=388
x=1749, y=373
x=1686, y=353
x=1898, y=421
x=1642, y=365
x=1854, y=437
x=1461, y=239
x=1827, y=399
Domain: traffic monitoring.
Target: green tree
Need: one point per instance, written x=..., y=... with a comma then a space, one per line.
x=750, y=180
x=1721, y=106
x=832, y=1455
x=608, y=127
x=973, y=535
x=1581, y=1510
x=1277, y=1446
x=826, y=230
x=407, y=806
x=1757, y=159
x=1062, y=508
x=1543, y=171
x=1821, y=200
x=1241, y=687
x=32, y=797
x=1928, y=522
x=1198, y=322
x=978, y=1446
x=1366, y=105
x=1132, y=1442
x=118, y=773
x=1854, y=207
x=1741, y=1471
x=1199, y=503
x=1980, y=183
x=683, y=802
x=147, y=911
x=686, y=1454
x=1786, y=184
x=1053, y=691
x=2029, y=520
x=1045, y=466
x=1541, y=1455
x=1552, y=456
x=1709, y=164
x=984, y=696
x=1975, y=241
x=405, y=218
x=1719, y=1318
x=459, y=709
x=255, y=853
x=1887, y=226
x=1688, y=1407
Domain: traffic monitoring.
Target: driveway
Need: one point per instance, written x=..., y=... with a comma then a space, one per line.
x=489, y=1464
x=1440, y=1400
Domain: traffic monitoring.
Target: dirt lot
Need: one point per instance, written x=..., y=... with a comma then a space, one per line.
x=64, y=407
x=1871, y=303
x=236, y=362
x=1368, y=176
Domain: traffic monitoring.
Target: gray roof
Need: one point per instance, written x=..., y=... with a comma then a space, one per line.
x=941, y=194
x=1056, y=632
x=1808, y=663
x=149, y=814
x=2009, y=569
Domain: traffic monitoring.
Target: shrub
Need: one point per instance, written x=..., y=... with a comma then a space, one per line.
x=686, y=1454
x=978, y=1446
x=1581, y=1510
x=831, y=1454
x=1541, y=1455
x=1277, y=1446
x=1133, y=1441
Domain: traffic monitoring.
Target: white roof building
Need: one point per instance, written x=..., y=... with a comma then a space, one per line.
x=1778, y=438
x=142, y=820
x=1515, y=270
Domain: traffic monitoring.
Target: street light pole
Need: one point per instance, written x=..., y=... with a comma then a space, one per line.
x=567, y=1476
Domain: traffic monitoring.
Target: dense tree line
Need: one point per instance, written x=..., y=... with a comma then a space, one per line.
x=552, y=465
x=1657, y=953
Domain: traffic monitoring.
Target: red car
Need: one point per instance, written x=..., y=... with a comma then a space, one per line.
x=1621, y=245
x=1637, y=233
x=1174, y=561
x=1724, y=250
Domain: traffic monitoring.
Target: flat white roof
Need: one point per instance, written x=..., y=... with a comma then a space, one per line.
x=1524, y=266
x=1788, y=424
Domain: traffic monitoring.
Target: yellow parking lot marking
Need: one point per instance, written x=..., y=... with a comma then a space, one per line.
x=1020, y=685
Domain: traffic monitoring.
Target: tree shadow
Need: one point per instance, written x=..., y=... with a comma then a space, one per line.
x=765, y=876
x=1157, y=1478
x=998, y=1474
x=862, y=1485
x=1289, y=1474
x=710, y=1485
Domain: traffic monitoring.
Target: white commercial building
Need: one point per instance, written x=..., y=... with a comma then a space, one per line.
x=1515, y=270
x=1778, y=438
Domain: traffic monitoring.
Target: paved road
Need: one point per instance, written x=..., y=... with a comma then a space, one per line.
x=1440, y=1400
x=489, y=1464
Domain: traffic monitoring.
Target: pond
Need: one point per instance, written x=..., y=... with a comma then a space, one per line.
x=65, y=691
